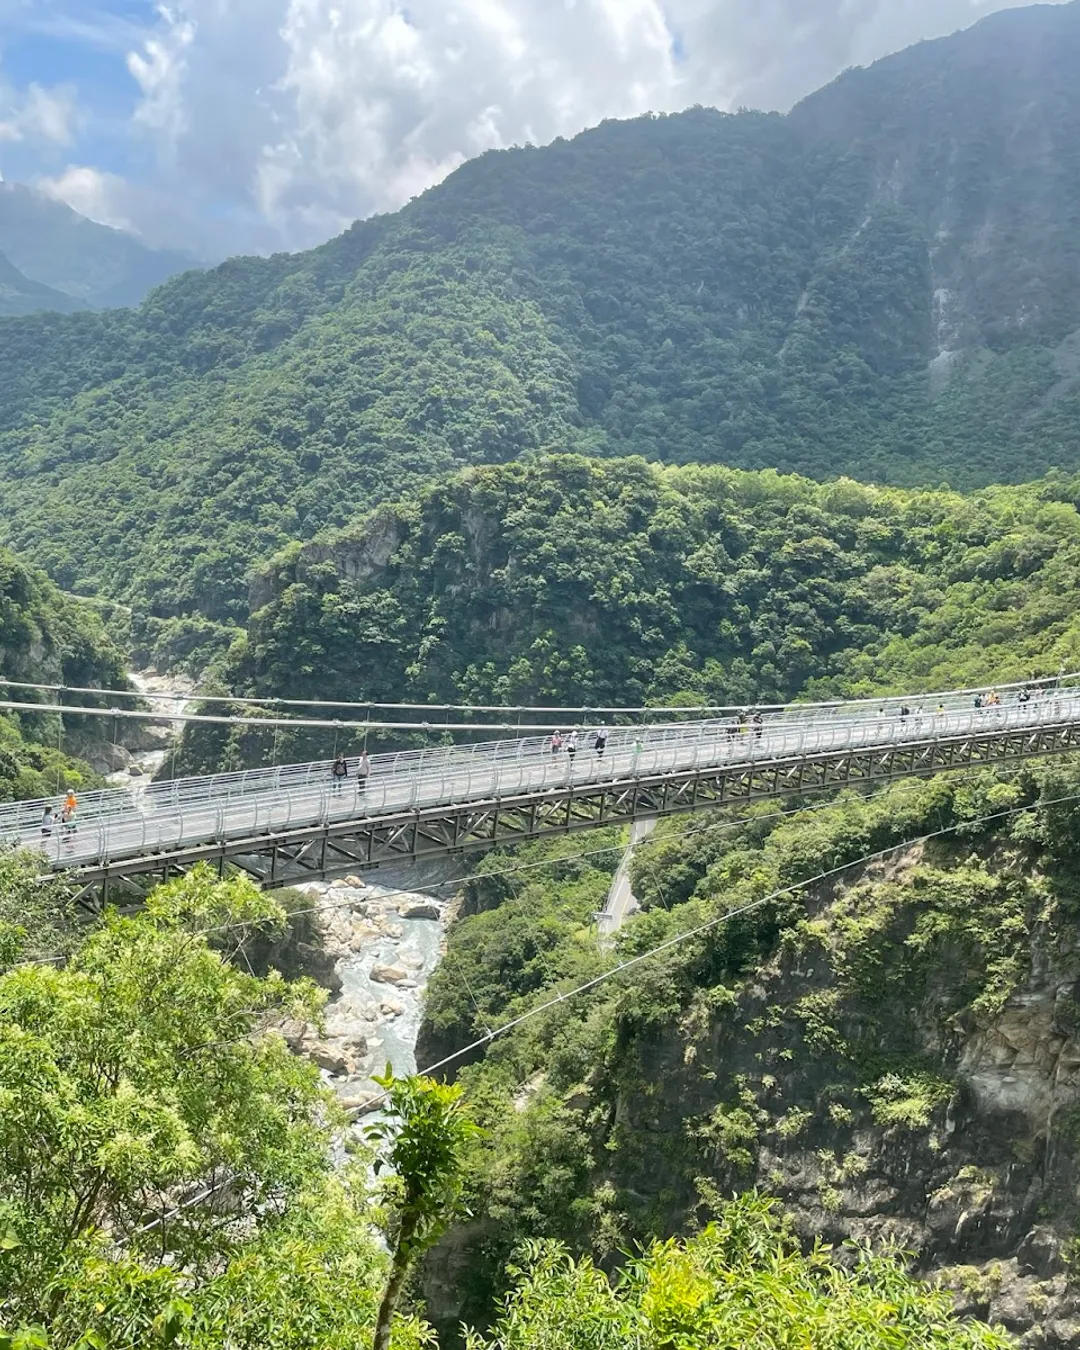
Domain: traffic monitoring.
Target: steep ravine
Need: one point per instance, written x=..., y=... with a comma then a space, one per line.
x=901, y=1065
x=381, y=942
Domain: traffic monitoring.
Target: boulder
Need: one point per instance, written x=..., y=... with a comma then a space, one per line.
x=361, y=1104
x=361, y=935
x=331, y=1058
x=294, y=1032
x=1039, y=1253
x=425, y=909
x=389, y=974
x=391, y=1008
x=355, y=883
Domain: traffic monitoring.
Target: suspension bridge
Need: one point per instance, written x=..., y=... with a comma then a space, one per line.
x=289, y=824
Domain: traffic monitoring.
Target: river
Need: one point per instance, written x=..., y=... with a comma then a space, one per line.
x=385, y=939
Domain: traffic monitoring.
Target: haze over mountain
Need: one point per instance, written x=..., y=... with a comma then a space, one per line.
x=91, y=266
x=20, y=295
x=885, y=283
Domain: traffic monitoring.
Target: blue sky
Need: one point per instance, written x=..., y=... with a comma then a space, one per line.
x=221, y=126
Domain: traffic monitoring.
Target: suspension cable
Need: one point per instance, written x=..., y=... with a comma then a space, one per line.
x=590, y=711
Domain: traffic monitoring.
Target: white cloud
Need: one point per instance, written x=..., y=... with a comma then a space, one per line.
x=770, y=53
x=282, y=120
x=38, y=114
x=159, y=68
x=101, y=196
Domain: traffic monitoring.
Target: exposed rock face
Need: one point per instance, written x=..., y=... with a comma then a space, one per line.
x=357, y=926
x=985, y=1191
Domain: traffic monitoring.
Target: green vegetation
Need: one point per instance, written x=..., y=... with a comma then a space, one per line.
x=790, y=1031
x=584, y=582
x=743, y=1281
x=48, y=637
x=168, y=1181
x=699, y=287
x=425, y=1136
x=165, y=1167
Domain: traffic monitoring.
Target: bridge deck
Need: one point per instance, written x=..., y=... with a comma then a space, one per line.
x=285, y=809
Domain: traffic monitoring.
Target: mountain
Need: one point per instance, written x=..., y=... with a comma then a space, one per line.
x=975, y=141
x=20, y=295
x=94, y=265
x=47, y=637
x=883, y=283
x=569, y=582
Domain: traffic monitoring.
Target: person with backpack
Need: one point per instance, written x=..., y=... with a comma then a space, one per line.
x=339, y=772
x=600, y=741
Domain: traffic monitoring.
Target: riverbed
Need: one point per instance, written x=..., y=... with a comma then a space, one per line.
x=385, y=939
x=387, y=942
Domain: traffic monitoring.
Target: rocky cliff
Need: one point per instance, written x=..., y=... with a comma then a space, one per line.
x=896, y=1055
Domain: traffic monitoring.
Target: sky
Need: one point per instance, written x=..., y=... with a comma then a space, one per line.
x=228, y=126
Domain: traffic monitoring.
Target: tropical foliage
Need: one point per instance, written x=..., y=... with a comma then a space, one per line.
x=48, y=637
x=741, y=1282
x=701, y=287
x=165, y=1168
x=589, y=583
x=798, y=1026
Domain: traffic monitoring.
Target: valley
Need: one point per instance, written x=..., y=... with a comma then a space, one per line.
x=540, y=742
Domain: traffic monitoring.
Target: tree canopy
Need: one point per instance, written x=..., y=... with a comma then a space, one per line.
x=700, y=287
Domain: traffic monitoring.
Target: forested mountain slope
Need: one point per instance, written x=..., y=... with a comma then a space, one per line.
x=579, y=582
x=893, y=1052
x=883, y=283
x=47, y=637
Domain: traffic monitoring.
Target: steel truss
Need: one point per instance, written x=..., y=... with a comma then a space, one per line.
x=329, y=850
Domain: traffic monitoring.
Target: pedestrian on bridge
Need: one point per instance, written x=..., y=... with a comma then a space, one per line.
x=600, y=741
x=571, y=746
x=67, y=818
x=339, y=772
x=556, y=742
x=47, y=822
x=363, y=772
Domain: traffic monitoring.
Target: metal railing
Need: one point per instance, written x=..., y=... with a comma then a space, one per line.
x=115, y=824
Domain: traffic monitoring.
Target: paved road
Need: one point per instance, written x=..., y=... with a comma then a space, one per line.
x=115, y=824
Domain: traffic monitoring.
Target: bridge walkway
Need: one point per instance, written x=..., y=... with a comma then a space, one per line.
x=447, y=799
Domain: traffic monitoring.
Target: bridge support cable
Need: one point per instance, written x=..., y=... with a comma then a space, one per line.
x=286, y=824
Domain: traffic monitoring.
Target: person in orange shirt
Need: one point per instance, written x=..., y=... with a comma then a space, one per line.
x=67, y=816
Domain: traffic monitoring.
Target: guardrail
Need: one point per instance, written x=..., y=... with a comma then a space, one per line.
x=114, y=824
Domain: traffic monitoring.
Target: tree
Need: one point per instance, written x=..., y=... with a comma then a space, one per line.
x=424, y=1139
x=741, y=1282
x=166, y=1174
